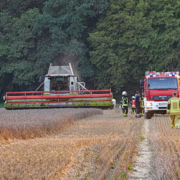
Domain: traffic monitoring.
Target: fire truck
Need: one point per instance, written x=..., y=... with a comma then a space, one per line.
x=158, y=88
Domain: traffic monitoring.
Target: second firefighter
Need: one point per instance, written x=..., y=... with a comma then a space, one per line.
x=125, y=103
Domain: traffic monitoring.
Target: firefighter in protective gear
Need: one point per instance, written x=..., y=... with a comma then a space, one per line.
x=173, y=108
x=133, y=106
x=125, y=103
x=142, y=104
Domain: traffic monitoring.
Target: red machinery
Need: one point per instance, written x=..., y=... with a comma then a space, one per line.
x=158, y=87
x=48, y=99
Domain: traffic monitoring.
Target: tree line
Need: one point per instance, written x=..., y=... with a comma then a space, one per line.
x=115, y=41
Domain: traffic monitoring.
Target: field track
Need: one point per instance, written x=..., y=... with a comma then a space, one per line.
x=159, y=154
x=105, y=146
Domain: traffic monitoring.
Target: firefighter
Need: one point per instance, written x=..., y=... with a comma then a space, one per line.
x=133, y=107
x=173, y=108
x=142, y=104
x=125, y=103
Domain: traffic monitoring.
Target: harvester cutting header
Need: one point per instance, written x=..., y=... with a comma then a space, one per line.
x=61, y=88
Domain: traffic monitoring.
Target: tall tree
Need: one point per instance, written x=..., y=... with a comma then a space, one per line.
x=63, y=29
x=164, y=46
x=16, y=7
x=17, y=50
x=133, y=37
x=117, y=50
x=31, y=38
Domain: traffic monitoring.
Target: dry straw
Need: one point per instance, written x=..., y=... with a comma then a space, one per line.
x=24, y=124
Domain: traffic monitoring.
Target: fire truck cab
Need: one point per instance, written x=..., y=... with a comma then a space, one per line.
x=158, y=88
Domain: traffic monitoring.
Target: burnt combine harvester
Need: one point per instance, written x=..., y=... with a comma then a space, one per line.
x=61, y=89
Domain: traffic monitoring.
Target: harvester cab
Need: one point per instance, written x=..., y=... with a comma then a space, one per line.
x=61, y=78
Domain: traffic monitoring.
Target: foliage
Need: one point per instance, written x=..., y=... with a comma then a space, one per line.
x=116, y=51
x=134, y=36
x=165, y=39
x=63, y=31
x=123, y=175
x=36, y=33
x=142, y=138
x=17, y=50
x=126, y=38
x=17, y=7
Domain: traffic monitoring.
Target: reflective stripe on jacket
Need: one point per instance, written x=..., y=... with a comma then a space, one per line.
x=125, y=101
x=174, y=106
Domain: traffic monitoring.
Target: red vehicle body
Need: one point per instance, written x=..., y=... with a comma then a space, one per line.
x=133, y=103
x=158, y=88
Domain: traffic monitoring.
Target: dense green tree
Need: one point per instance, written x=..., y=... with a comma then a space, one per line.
x=30, y=39
x=131, y=37
x=134, y=36
x=63, y=29
x=117, y=50
x=16, y=7
x=163, y=49
x=17, y=50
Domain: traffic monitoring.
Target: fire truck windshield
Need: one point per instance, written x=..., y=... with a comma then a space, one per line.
x=162, y=83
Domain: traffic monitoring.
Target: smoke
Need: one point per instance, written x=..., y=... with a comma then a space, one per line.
x=64, y=60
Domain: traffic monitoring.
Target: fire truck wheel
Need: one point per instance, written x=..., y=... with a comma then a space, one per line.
x=149, y=115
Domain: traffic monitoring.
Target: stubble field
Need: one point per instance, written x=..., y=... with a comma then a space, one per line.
x=25, y=124
x=165, y=143
x=82, y=144
x=96, y=147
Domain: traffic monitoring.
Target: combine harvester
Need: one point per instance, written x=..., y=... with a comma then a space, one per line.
x=61, y=89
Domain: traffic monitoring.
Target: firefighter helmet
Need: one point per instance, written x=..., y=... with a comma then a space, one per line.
x=124, y=93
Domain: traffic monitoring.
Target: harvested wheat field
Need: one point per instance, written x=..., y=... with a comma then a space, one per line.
x=24, y=124
x=101, y=146
x=165, y=143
